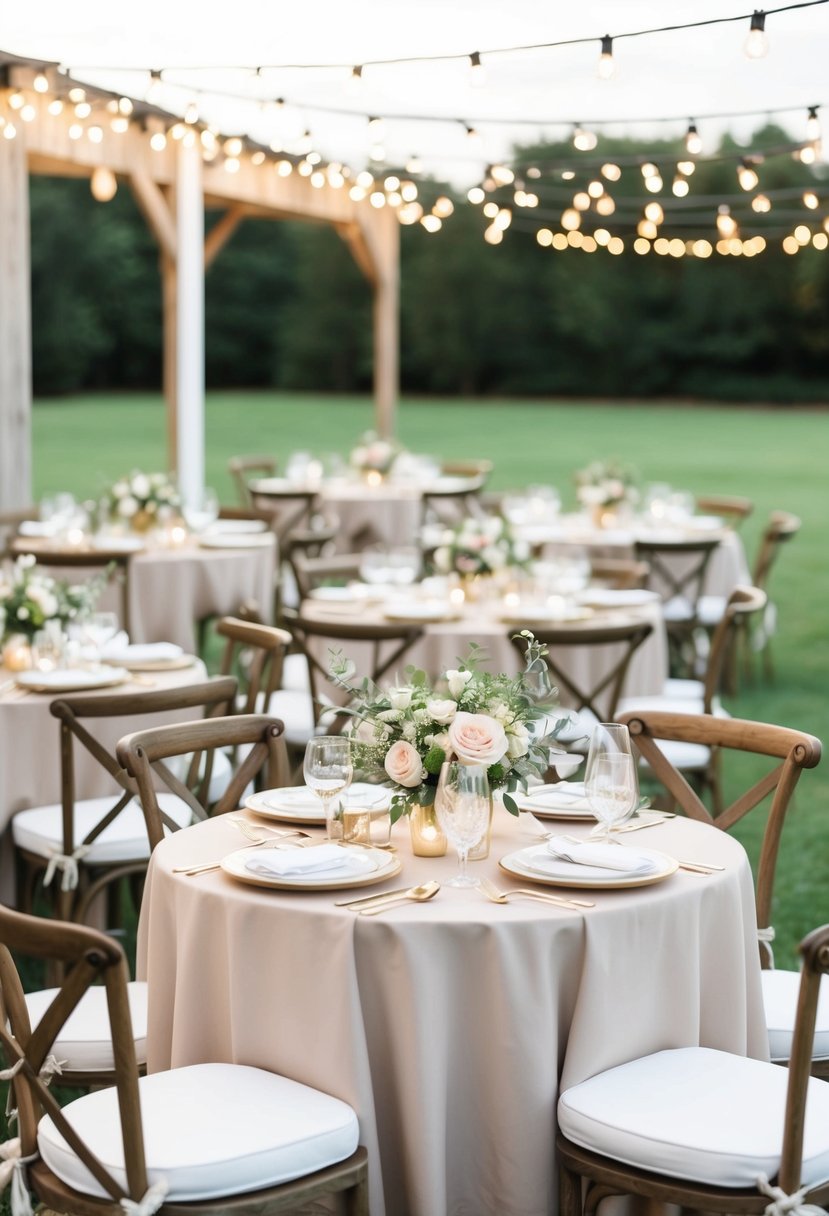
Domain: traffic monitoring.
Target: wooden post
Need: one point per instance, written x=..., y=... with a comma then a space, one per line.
x=169, y=305
x=387, y=324
x=15, y=328
x=190, y=324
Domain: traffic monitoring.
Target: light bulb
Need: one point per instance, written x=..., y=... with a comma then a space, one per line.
x=595, y=189
x=654, y=183
x=611, y=172
x=726, y=224
x=477, y=71
x=680, y=186
x=606, y=66
x=760, y=203
x=103, y=184
x=693, y=143
x=40, y=83
x=502, y=175
x=153, y=88
x=17, y=101
x=475, y=195
x=811, y=200
x=354, y=85
x=584, y=141
x=654, y=213
x=472, y=135
x=813, y=125
x=685, y=167
x=570, y=219
x=757, y=43
x=746, y=176
x=443, y=207
x=55, y=106
x=605, y=205
x=191, y=113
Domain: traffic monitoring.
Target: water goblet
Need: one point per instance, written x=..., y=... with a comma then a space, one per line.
x=610, y=778
x=328, y=770
x=100, y=628
x=462, y=804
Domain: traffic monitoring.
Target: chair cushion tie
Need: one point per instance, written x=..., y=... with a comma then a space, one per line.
x=12, y=1170
x=787, y=1205
x=153, y=1199
x=765, y=937
x=68, y=866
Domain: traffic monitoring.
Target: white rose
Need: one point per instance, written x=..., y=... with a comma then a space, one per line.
x=23, y=614
x=127, y=506
x=591, y=496
x=494, y=557
x=477, y=739
x=120, y=489
x=441, y=741
x=442, y=559
x=457, y=681
x=400, y=698
x=442, y=711
x=492, y=528
x=500, y=712
x=26, y=561
x=403, y=764
x=364, y=732
x=518, y=741
x=140, y=485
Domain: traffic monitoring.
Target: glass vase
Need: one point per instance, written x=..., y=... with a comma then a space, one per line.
x=428, y=839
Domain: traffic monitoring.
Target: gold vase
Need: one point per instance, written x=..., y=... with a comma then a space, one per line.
x=481, y=850
x=17, y=653
x=427, y=838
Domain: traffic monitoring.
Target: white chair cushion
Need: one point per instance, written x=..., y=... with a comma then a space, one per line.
x=687, y=757
x=710, y=609
x=780, y=989
x=85, y=1042
x=698, y=1114
x=209, y=1130
x=678, y=610
x=657, y=704
x=297, y=712
x=295, y=674
x=221, y=772
x=40, y=830
x=683, y=690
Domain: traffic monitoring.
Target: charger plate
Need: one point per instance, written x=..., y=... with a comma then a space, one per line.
x=566, y=872
x=237, y=540
x=560, y=804
x=383, y=865
x=179, y=663
x=71, y=679
x=297, y=804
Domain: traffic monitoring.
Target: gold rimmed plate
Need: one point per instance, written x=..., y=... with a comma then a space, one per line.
x=365, y=867
x=559, y=873
x=72, y=679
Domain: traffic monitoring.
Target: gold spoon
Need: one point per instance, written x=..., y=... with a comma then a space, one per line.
x=418, y=894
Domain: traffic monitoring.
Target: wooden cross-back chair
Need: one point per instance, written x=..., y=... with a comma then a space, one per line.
x=254, y=653
x=619, y=573
x=290, y=507
x=780, y=529
x=449, y=504
x=10, y=521
x=732, y=509
x=257, y=1143
x=86, y=845
x=704, y=1129
x=677, y=572
x=386, y=645
x=596, y=699
x=311, y=572
x=62, y=562
x=245, y=468
x=257, y=737
x=794, y=751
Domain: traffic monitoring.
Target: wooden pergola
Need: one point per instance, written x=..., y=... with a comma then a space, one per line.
x=173, y=186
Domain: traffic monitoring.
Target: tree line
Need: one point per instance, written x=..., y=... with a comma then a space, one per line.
x=286, y=306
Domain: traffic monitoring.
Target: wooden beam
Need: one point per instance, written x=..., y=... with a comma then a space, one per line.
x=15, y=328
x=156, y=211
x=354, y=237
x=169, y=300
x=385, y=240
x=221, y=232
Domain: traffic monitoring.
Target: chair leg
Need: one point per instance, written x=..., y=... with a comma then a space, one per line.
x=569, y=1192
x=768, y=666
x=356, y=1199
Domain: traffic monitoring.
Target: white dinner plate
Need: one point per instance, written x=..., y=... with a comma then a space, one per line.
x=235, y=527
x=608, y=597
x=538, y=615
x=366, y=866
x=177, y=663
x=72, y=679
x=420, y=613
x=240, y=540
x=560, y=873
x=335, y=595
x=563, y=800
x=298, y=804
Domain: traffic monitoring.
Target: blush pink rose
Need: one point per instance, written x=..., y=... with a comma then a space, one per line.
x=403, y=764
x=477, y=739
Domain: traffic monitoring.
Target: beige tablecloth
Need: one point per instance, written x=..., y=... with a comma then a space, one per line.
x=450, y=1025
x=444, y=643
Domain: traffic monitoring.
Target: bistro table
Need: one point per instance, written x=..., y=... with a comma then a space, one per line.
x=450, y=1025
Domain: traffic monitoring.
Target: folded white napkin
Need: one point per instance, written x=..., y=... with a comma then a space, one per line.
x=39, y=527
x=565, y=795
x=283, y=863
x=601, y=856
x=120, y=650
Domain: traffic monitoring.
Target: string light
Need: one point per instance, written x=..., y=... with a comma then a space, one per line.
x=680, y=186
x=654, y=213
x=813, y=125
x=355, y=80
x=153, y=88
x=726, y=224
x=746, y=175
x=40, y=84
x=606, y=66
x=811, y=200
x=103, y=184
x=693, y=143
x=761, y=204
x=476, y=195
x=611, y=172
x=685, y=167
x=757, y=43
x=477, y=71
x=584, y=141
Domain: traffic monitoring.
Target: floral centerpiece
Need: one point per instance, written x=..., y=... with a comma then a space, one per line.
x=143, y=500
x=29, y=598
x=479, y=546
x=373, y=455
x=607, y=483
x=405, y=733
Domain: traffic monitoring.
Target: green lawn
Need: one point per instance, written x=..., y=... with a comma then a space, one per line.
x=778, y=458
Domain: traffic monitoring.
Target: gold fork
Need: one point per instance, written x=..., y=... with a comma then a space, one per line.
x=559, y=901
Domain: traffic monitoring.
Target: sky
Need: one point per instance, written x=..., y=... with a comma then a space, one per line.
x=683, y=74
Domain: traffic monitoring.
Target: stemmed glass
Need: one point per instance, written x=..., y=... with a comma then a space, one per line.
x=328, y=771
x=610, y=779
x=462, y=805
x=204, y=512
x=100, y=628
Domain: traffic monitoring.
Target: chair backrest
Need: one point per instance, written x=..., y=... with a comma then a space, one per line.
x=619, y=573
x=731, y=508
x=143, y=754
x=814, y=952
x=254, y=653
x=449, y=504
x=677, y=568
x=311, y=572
x=616, y=645
x=742, y=604
x=314, y=541
x=242, y=468
x=781, y=527
x=61, y=562
x=794, y=749
x=216, y=695
x=467, y=468
x=385, y=644
x=288, y=506
x=87, y=957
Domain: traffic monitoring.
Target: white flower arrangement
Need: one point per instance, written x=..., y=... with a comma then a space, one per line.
x=29, y=598
x=405, y=733
x=143, y=499
x=606, y=483
x=479, y=546
x=374, y=455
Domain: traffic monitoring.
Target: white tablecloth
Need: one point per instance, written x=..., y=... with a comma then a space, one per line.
x=450, y=1025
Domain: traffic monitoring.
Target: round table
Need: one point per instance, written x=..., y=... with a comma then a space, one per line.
x=449, y=1026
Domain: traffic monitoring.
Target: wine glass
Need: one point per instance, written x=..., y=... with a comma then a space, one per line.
x=100, y=628
x=462, y=804
x=204, y=512
x=610, y=778
x=328, y=771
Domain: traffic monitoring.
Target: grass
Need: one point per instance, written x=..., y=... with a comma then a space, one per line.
x=777, y=458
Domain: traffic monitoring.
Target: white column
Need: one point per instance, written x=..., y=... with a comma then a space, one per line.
x=190, y=324
x=15, y=327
